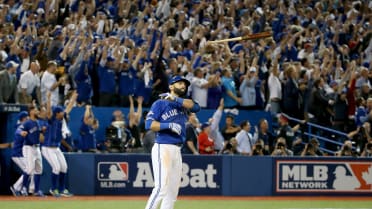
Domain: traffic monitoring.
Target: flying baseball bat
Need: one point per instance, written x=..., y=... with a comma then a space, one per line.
x=246, y=37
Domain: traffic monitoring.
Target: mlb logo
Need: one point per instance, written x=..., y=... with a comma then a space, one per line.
x=323, y=176
x=353, y=176
x=113, y=171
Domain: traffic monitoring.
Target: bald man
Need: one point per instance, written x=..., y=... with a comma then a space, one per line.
x=29, y=84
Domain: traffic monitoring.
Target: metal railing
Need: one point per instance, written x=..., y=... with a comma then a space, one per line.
x=313, y=130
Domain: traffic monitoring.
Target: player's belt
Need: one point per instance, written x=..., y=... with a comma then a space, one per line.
x=33, y=145
x=178, y=144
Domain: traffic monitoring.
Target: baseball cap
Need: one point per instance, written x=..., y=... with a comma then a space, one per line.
x=205, y=125
x=125, y=60
x=110, y=59
x=178, y=78
x=57, y=109
x=237, y=48
x=333, y=83
x=11, y=64
x=308, y=45
x=252, y=69
x=22, y=115
x=283, y=118
x=57, y=32
x=302, y=81
x=40, y=11
x=344, y=90
x=52, y=62
x=314, y=141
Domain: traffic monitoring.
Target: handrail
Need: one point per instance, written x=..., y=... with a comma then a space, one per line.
x=316, y=125
x=328, y=129
x=310, y=134
x=323, y=138
x=327, y=150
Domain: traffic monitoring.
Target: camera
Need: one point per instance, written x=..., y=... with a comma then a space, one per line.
x=280, y=145
x=346, y=148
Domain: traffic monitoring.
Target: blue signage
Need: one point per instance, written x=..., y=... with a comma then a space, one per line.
x=132, y=174
x=319, y=176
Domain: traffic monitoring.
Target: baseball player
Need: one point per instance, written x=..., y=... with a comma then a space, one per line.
x=168, y=117
x=51, y=150
x=17, y=155
x=30, y=130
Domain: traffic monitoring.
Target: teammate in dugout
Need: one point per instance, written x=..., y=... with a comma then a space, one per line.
x=52, y=142
x=168, y=117
x=17, y=155
x=31, y=132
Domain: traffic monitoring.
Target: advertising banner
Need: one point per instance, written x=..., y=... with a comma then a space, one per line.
x=323, y=176
x=132, y=174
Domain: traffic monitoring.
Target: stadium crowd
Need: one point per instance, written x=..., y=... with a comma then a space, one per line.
x=316, y=67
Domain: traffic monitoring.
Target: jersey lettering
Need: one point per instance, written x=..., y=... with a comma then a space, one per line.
x=169, y=114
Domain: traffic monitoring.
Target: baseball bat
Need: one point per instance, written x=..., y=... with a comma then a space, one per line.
x=246, y=37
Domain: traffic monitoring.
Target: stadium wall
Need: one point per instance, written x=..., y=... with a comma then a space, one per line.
x=223, y=175
x=131, y=174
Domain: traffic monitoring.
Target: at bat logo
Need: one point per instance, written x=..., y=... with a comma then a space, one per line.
x=113, y=171
x=194, y=178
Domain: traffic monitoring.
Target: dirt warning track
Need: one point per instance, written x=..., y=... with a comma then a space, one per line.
x=242, y=198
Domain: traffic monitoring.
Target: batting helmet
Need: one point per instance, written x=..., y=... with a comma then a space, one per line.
x=178, y=78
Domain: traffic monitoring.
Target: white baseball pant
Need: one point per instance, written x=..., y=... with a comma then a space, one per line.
x=21, y=163
x=55, y=158
x=34, y=163
x=167, y=168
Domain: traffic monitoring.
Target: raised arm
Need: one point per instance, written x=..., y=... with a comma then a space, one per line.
x=87, y=114
x=139, y=108
x=71, y=103
x=49, y=105
x=131, y=111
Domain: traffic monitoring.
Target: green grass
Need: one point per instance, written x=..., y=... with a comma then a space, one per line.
x=187, y=204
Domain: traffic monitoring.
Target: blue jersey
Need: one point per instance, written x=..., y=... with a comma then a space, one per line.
x=17, y=145
x=228, y=85
x=87, y=137
x=165, y=111
x=43, y=123
x=53, y=133
x=107, y=81
x=32, y=128
x=127, y=82
x=83, y=84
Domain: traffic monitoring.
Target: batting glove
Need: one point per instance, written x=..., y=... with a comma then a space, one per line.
x=176, y=128
x=167, y=96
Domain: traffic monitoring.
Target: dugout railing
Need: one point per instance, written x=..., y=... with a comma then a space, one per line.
x=323, y=134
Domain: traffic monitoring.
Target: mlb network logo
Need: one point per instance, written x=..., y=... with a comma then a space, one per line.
x=323, y=176
x=113, y=171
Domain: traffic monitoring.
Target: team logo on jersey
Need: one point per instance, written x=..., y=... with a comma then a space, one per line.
x=113, y=171
x=323, y=176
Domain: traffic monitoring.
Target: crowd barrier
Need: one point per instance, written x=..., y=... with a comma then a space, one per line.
x=131, y=174
x=8, y=119
x=222, y=175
